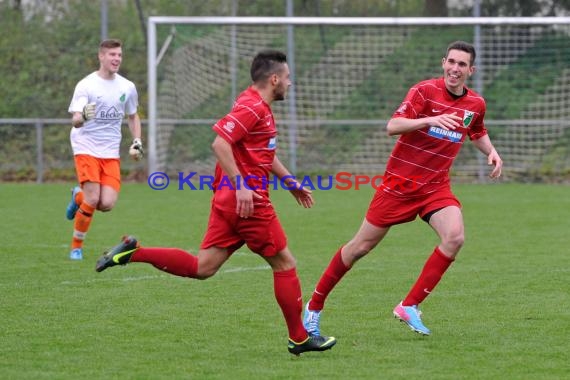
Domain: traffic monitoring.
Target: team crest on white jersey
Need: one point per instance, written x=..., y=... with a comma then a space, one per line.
x=229, y=126
x=468, y=118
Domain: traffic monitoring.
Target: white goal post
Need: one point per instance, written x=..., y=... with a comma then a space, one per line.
x=157, y=49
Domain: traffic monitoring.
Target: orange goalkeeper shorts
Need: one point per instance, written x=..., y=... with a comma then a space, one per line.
x=106, y=171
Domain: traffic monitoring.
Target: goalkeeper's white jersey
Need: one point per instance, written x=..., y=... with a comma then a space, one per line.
x=114, y=98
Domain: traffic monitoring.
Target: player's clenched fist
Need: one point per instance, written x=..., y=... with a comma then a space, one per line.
x=136, y=150
x=88, y=111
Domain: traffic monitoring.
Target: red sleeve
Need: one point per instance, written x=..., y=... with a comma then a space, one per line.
x=412, y=105
x=478, y=130
x=238, y=123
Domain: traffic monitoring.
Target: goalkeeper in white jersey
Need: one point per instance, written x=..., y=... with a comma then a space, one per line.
x=100, y=102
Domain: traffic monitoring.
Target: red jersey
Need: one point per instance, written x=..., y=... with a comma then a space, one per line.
x=421, y=159
x=250, y=129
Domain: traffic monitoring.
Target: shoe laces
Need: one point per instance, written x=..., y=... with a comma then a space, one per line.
x=416, y=311
x=313, y=321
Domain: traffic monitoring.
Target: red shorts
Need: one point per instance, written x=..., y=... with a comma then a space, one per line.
x=106, y=171
x=263, y=233
x=386, y=210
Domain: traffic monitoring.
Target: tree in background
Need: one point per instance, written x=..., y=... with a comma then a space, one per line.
x=435, y=8
x=47, y=45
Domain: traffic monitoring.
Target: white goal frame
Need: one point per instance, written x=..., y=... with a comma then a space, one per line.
x=153, y=57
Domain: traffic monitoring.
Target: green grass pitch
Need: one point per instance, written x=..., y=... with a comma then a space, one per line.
x=501, y=312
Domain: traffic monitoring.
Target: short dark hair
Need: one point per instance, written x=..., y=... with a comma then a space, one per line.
x=463, y=46
x=266, y=63
x=110, y=44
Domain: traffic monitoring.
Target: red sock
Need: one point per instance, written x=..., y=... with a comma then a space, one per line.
x=433, y=270
x=332, y=275
x=287, y=289
x=171, y=260
x=81, y=224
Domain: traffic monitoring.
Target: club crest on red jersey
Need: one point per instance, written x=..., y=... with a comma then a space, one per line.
x=468, y=118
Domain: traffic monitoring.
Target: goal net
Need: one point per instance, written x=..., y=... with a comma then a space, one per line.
x=349, y=75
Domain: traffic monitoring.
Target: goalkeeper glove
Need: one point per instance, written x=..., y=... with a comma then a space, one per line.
x=136, y=150
x=88, y=111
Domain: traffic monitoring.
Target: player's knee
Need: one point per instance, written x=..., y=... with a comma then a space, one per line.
x=105, y=206
x=282, y=261
x=359, y=249
x=207, y=269
x=284, y=265
x=203, y=276
x=454, y=241
x=205, y=273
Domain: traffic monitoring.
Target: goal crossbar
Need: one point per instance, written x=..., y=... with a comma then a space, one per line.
x=359, y=20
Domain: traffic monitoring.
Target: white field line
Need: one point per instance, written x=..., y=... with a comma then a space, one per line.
x=160, y=276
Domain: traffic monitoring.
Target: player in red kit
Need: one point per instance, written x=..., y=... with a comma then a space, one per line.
x=433, y=121
x=241, y=211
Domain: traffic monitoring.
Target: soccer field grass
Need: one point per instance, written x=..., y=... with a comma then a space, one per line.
x=501, y=312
